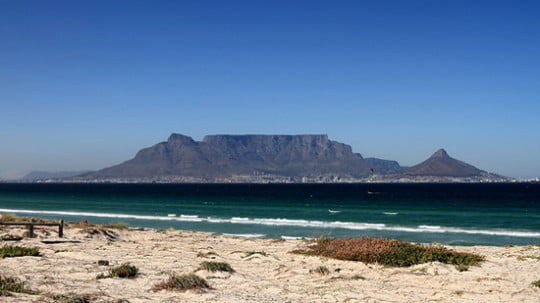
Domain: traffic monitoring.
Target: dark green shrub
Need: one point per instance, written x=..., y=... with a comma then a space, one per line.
x=182, y=283
x=8, y=251
x=125, y=270
x=536, y=283
x=216, y=266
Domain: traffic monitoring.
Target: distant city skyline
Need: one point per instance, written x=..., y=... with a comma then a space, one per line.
x=85, y=85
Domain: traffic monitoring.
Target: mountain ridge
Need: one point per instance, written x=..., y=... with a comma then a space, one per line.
x=276, y=158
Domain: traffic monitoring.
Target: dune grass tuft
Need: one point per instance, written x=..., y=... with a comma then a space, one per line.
x=9, y=284
x=182, y=283
x=8, y=251
x=119, y=225
x=388, y=252
x=125, y=270
x=8, y=218
x=536, y=283
x=216, y=266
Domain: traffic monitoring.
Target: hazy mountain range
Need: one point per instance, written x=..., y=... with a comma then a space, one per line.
x=275, y=158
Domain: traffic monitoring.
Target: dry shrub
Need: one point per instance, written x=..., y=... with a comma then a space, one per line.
x=6, y=218
x=389, y=252
x=182, y=283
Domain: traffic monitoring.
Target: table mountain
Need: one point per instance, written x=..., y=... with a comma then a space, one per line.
x=223, y=156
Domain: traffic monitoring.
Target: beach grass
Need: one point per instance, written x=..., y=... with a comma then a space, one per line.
x=182, y=283
x=10, y=284
x=118, y=225
x=7, y=218
x=125, y=270
x=388, y=252
x=536, y=283
x=8, y=251
x=216, y=266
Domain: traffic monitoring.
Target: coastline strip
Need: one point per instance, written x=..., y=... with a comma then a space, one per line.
x=290, y=222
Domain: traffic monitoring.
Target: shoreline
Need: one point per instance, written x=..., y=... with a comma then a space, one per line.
x=69, y=266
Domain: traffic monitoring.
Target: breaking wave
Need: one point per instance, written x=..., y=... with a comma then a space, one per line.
x=291, y=222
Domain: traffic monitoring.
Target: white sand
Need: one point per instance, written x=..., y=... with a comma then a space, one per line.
x=71, y=267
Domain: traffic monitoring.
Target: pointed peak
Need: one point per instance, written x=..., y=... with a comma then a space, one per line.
x=441, y=153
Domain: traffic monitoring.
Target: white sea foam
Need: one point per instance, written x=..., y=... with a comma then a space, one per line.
x=245, y=235
x=390, y=214
x=334, y=211
x=291, y=222
x=291, y=238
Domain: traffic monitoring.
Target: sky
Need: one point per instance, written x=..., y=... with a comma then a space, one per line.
x=86, y=84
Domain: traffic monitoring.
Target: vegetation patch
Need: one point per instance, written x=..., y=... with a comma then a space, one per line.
x=388, y=252
x=71, y=299
x=125, y=270
x=8, y=251
x=9, y=284
x=182, y=283
x=536, y=283
x=216, y=266
x=118, y=225
x=6, y=218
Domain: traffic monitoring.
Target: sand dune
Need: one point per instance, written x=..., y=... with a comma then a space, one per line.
x=68, y=266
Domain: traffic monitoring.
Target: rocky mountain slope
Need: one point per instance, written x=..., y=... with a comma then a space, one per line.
x=223, y=156
x=277, y=158
x=441, y=164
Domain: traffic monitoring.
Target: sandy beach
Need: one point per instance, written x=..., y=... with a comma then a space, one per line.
x=68, y=267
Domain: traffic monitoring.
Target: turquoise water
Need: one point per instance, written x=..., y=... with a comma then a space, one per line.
x=460, y=214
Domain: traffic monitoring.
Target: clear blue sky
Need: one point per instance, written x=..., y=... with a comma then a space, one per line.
x=86, y=84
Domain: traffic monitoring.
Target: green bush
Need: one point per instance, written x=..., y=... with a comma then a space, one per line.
x=536, y=283
x=125, y=270
x=8, y=251
x=389, y=252
x=216, y=266
x=182, y=283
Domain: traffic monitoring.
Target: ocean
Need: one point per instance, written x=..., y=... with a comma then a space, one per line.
x=453, y=214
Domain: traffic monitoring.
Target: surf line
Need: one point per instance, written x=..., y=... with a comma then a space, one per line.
x=291, y=222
